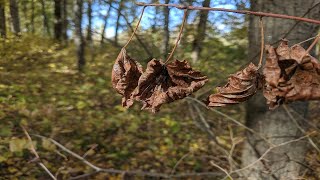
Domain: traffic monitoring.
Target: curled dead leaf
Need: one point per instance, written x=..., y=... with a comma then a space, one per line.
x=125, y=75
x=164, y=83
x=240, y=87
x=290, y=75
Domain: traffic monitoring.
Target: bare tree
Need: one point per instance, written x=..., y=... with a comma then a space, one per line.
x=65, y=20
x=32, y=16
x=89, y=14
x=284, y=162
x=78, y=38
x=14, y=12
x=201, y=32
x=2, y=20
x=106, y=18
x=118, y=22
x=166, y=13
x=58, y=24
x=46, y=27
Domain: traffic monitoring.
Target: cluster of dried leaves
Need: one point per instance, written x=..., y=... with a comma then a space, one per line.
x=289, y=74
x=160, y=83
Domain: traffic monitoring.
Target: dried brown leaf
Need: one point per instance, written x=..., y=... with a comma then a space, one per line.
x=271, y=70
x=125, y=75
x=240, y=87
x=290, y=75
x=305, y=83
x=162, y=83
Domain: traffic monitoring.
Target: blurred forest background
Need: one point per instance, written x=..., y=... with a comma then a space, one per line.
x=56, y=58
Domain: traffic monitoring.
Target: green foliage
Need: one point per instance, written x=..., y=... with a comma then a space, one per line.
x=41, y=89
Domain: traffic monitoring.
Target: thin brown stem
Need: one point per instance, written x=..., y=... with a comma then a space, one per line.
x=179, y=35
x=37, y=159
x=313, y=44
x=261, y=14
x=262, y=43
x=136, y=28
x=309, y=39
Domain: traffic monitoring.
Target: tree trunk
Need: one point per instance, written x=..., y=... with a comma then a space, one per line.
x=106, y=18
x=32, y=17
x=201, y=32
x=282, y=162
x=118, y=22
x=3, y=31
x=25, y=15
x=65, y=20
x=89, y=14
x=79, y=40
x=166, y=38
x=14, y=12
x=58, y=25
x=46, y=27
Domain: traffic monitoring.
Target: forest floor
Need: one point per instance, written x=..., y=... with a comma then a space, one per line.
x=41, y=89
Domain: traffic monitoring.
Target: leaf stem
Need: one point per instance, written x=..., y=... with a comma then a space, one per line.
x=313, y=44
x=262, y=42
x=135, y=29
x=179, y=35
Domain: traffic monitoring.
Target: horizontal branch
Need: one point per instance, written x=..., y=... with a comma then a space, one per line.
x=128, y=172
x=261, y=14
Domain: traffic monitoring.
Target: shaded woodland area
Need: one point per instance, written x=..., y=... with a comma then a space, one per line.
x=60, y=117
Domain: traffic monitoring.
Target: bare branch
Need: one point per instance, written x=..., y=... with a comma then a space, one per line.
x=268, y=150
x=116, y=171
x=33, y=150
x=300, y=128
x=246, y=12
x=220, y=168
x=231, y=119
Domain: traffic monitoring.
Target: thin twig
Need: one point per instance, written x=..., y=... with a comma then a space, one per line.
x=33, y=150
x=268, y=150
x=309, y=39
x=116, y=171
x=179, y=36
x=313, y=44
x=261, y=14
x=179, y=161
x=134, y=31
x=300, y=128
x=220, y=168
x=232, y=119
x=262, y=43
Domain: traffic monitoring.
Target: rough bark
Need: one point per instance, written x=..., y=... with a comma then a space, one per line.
x=89, y=14
x=201, y=32
x=14, y=12
x=46, y=27
x=166, y=38
x=118, y=22
x=2, y=20
x=282, y=162
x=78, y=38
x=58, y=25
